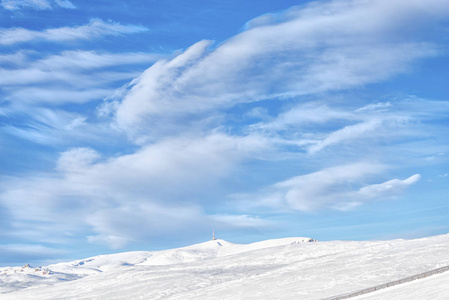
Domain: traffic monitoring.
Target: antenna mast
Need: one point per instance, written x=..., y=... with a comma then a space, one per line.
x=213, y=235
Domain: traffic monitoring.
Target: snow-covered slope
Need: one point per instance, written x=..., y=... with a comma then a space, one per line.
x=291, y=268
x=16, y=278
x=435, y=287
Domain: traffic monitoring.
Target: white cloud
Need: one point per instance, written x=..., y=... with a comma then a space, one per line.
x=79, y=60
x=77, y=159
x=57, y=96
x=65, y=4
x=343, y=187
x=117, y=227
x=375, y=107
x=15, y=59
x=78, y=121
x=177, y=167
x=388, y=188
x=326, y=188
x=18, y=4
x=306, y=114
x=35, y=4
x=52, y=126
x=313, y=126
x=307, y=52
x=69, y=77
x=176, y=112
x=95, y=29
x=157, y=190
x=21, y=69
x=350, y=132
x=143, y=222
x=158, y=82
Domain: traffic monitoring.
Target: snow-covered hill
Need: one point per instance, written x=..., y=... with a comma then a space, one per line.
x=290, y=268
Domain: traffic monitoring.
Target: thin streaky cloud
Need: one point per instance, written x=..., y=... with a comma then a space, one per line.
x=65, y=4
x=71, y=76
x=361, y=130
x=93, y=60
x=18, y=4
x=305, y=53
x=298, y=117
x=36, y=4
x=95, y=29
x=20, y=70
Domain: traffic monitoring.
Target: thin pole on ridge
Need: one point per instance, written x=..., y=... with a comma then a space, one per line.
x=213, y=235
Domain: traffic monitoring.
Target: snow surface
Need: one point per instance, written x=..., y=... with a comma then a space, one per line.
x=290, y=268
x=434, y=287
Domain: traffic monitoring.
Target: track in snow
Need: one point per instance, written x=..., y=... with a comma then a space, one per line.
x=390, y=284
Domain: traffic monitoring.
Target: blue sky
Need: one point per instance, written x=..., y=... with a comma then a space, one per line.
x=143, y=125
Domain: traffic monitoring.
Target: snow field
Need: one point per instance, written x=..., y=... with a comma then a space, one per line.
x=289, y=268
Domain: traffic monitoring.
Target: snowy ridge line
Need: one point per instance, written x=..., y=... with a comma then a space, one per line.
x=390, y=284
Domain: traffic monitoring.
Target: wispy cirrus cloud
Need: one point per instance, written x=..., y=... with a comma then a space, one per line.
x=94, y=29
x=76, y=60
x=263, y=114
x=65, y=4
x=303, y=52
x=35, y=4
x=18, y=4
x=70, y=72
x=366, y=129
x=50, y=126
x=314, y=125
x=68, y=77
x=378, y=134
